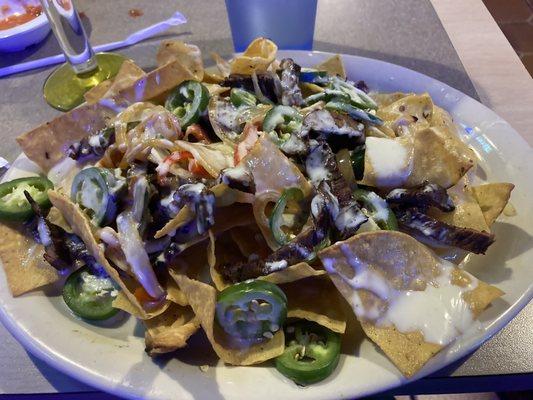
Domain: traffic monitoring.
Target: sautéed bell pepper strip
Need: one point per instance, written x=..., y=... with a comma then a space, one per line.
x=357, y=97
x=240, y=97
x=188, y=101
x=89, y=296
x=276, y=218
x=13, y=203
x=327, y=95
x=377, y=208
x=311, y=75
x=91, y=190
x=311, y=354
x=281, y=122
x=357, y=159
x=353, y=111
x=251, y=310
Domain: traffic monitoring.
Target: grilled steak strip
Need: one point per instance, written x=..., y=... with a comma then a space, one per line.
x=437, y=233
x=428, y=195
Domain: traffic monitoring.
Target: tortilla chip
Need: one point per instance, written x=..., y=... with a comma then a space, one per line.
x=316, y=299
x=193, y=263
x=432, y=147
x=223, y=250
x=383, y=264
x=82, y=227
x=184, y=216
x=96, y=93
x=202, y=298
x=224, y=195
x=408, y=114
x=333, y=66
x=244, y=242
x=256, y=58
x=292, y=273
x=127, y=75
x=250, y=241
x=174, y=294
x=46, y=144
x=467, y=213
x=434, y=161
x=170, y=330
x=427, y=157
x=155, y=85
x=509, y=210
x=492, y=198
x=223, y=66
x=188, y=55
x=272, y=170
x=385, y=99
x=408, y=351
x=211, y=77
x=215, y=90
x=23, y=262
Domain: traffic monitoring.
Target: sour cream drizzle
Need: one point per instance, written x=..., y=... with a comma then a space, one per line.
x=439, y=312
x=389, y=159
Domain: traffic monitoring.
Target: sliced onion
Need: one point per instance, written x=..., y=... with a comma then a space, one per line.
x=140, y=194
x=257, y=90
x=277, y=84
x=133, y=248
x=262, y=200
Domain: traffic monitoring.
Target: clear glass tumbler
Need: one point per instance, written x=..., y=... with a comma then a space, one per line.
x=289, y=23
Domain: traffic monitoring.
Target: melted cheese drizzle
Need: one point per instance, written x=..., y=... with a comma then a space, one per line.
x=439, y=312
x=62, y=174
x=389, y=159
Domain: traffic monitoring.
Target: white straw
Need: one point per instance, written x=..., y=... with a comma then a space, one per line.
x=142, y=34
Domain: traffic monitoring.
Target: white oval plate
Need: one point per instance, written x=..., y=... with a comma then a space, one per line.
x=112, y=358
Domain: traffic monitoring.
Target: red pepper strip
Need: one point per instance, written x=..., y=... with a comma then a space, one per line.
x=250, y=136
x=197, y=169
x=198, y=133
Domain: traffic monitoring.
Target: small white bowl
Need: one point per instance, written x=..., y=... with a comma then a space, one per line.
x=21, y=36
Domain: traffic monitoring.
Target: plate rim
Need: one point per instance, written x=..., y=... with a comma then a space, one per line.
x=68, y=367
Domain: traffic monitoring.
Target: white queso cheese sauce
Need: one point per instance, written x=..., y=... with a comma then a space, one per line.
x=389, y=159
x=439, y=312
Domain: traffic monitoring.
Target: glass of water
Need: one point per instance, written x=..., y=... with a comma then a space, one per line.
x=289, y=23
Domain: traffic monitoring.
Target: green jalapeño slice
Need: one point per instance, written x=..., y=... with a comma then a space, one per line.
x=251, y=310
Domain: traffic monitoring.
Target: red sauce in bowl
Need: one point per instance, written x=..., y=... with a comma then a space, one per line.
x=17, y=13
